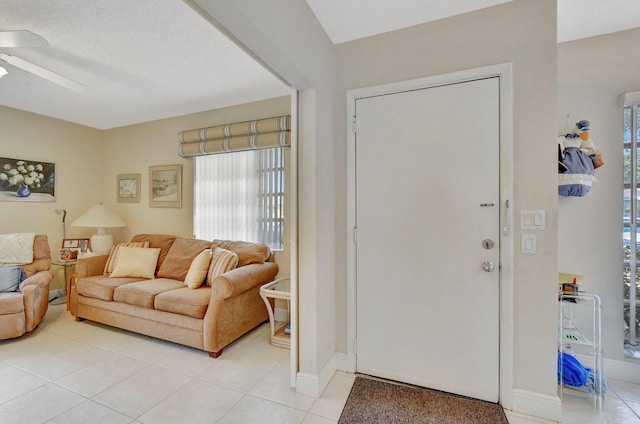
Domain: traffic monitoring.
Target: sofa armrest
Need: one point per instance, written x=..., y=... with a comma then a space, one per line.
x=239, y=280
x=91, y=265
x=41, y=279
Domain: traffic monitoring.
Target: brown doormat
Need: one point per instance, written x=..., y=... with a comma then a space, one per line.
x=374, y=401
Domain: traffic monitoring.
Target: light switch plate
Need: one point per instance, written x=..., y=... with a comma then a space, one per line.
x=532, y=220
x=528, y=245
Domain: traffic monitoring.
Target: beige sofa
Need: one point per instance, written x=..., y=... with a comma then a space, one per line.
x=23, y=310
x=210, y=317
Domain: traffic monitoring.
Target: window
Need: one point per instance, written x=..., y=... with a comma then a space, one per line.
x=630, y=234
x=240, y=196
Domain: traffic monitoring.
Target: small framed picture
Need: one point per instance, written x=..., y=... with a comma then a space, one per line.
x=69, y=254
x=165, y=186
x=77, y=244
x=128, y=190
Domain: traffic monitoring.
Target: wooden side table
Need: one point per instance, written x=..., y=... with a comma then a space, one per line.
x=278, y=289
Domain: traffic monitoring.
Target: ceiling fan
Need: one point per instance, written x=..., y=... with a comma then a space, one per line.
x=13, y=39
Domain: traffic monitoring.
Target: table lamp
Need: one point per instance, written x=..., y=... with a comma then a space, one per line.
x=100, y=217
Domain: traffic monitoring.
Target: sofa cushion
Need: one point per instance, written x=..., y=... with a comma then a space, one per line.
x=222, y=260
x=101, y=287
x=181, y=254
x=198, y=269
x=136, y=262
x=11, y=303
x=184, y=301
x=161, y=241
x=11, y=277
x=143, y=293
x=248, y=253
x=115, y=251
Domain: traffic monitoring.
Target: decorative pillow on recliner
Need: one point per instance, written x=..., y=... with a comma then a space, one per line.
x=115, y=250
x=137, y=262
x=222, y=261
x=10, y=278
x=198, y=269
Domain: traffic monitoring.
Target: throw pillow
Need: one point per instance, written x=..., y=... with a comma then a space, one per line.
x=136, y=262
x=113, y=256
x=10, y=278
x=248, y=253
x=178, y=260
x=198, y=269
x=222, y=261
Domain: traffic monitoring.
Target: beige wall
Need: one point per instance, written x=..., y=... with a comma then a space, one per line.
x=76, y=151
x=88, y=161
x=132, y=149
x=523, y=33
x=589, y=228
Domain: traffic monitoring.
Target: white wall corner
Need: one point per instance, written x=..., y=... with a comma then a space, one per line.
x=342, y=362
x=621, y=370
x=314, y=385
x=537, y=404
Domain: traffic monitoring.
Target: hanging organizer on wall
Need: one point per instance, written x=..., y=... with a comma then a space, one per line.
x=577, y=161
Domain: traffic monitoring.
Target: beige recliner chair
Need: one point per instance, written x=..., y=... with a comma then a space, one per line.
x=22, y=311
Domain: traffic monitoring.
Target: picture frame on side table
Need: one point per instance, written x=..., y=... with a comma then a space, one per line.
x=128, y=188
x=68, y=255
x=165, y=186
x=79, y=244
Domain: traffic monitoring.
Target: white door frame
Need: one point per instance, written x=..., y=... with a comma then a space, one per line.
x=504, y=71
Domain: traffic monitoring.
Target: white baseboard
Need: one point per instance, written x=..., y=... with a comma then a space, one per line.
x=618, y=370
x=537, y=405
x=622, y=370
x=314, y=385
x=342, y=362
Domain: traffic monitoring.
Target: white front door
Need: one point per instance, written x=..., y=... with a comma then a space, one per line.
x=427, y=252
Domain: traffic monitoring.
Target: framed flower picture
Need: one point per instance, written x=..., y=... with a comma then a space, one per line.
x=128, y=190
x=165, y=186
x=24, y=180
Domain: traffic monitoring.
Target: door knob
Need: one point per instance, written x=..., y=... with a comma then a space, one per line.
x=487, y=266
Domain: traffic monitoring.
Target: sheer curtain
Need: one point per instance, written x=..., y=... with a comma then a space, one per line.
x=226, y=205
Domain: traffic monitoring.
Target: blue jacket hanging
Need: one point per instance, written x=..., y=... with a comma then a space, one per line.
x=578, y=177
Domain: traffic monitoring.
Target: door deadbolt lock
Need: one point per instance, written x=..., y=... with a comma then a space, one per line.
x=488, y=244
x=487, y=266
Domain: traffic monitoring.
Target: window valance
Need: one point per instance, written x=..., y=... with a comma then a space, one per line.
x=240, y=136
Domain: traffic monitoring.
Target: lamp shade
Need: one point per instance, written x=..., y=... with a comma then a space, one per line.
x=100, y=217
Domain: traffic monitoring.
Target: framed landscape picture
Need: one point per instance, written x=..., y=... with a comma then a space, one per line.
x=165, y=186
x=128, y=190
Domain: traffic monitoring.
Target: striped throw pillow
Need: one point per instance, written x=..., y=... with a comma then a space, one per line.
x=113, y=255
x=222, y=261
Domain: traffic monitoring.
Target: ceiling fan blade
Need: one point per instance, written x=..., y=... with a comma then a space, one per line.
x=21, y=39
x=42, y=72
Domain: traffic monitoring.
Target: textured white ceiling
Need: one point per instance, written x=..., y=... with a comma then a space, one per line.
x=346, y=20
x=143, y=60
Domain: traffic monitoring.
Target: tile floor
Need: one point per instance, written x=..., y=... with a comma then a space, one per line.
x=69, y=372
